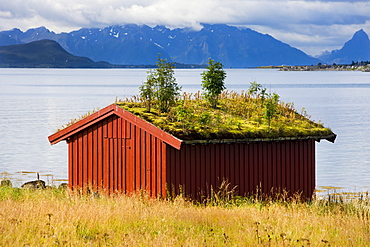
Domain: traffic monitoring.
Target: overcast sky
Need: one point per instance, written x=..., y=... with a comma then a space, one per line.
x=312, y=26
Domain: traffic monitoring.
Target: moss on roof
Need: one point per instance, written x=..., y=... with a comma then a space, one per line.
x=237, y=116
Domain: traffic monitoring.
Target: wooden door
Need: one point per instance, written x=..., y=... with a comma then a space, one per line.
x=118, y=163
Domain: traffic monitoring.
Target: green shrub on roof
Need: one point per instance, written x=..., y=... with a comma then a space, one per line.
x=213, y=81
x=160, y=87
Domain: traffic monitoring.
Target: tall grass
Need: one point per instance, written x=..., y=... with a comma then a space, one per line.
x=62, y=218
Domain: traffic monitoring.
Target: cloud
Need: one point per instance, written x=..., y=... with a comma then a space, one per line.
x=299, y=23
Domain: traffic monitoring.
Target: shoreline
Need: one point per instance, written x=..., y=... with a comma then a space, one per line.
x=364, y=68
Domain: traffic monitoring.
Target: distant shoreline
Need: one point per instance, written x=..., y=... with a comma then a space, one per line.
x=343, y=67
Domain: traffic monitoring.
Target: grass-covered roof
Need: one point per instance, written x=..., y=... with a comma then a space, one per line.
x=236, y=116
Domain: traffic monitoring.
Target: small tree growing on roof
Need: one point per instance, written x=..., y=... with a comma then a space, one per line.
x=270, y=107
x=269, y=101
x=147, y=91
x=160, y=89
x=213, y=81
x=257, y=90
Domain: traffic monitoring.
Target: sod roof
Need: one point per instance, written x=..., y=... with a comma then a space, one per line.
x=236, y=117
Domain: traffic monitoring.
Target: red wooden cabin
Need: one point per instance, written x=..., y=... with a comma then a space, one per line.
x=114, y=150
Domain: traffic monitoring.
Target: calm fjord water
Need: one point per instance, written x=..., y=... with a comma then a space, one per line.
x=36, y=102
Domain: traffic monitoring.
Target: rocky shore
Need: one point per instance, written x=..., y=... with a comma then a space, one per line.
x=36, y=184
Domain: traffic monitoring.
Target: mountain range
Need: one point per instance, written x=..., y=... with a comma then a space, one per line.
x=140, y=45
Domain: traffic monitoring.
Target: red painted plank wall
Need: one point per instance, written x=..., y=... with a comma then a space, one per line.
x=116, y=155
x=288, y=165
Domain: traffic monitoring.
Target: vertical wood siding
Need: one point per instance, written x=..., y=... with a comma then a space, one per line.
x=263, y=166
x=116, y=155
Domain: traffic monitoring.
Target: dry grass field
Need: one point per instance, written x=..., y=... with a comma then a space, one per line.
x=54, y=217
